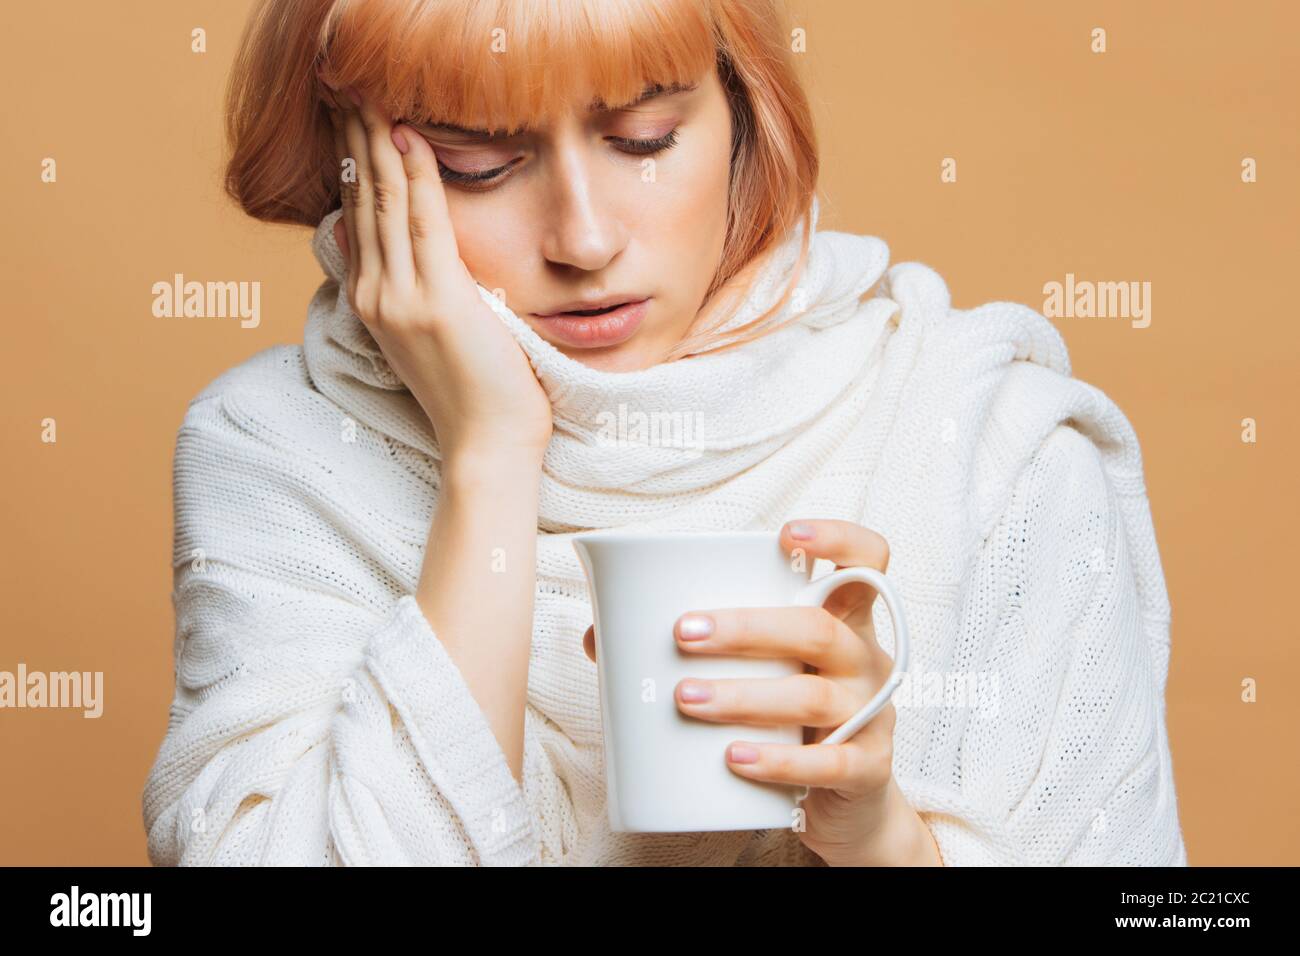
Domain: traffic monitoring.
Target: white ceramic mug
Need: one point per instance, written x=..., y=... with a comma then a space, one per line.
x=666, y=771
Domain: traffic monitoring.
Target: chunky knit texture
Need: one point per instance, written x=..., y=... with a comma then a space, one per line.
x=318, y=719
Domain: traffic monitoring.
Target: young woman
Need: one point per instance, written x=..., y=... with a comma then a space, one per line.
x=545, y=226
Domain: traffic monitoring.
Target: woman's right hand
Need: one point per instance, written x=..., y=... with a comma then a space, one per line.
x=409, y=286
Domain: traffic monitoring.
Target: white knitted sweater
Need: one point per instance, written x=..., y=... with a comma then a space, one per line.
x=317, y=718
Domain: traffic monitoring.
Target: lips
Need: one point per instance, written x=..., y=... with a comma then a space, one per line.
x=595, y=326
x=591, y=307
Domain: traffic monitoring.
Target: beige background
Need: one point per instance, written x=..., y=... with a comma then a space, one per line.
x=1123, y=166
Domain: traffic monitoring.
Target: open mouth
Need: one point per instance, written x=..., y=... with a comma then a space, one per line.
x=604, y=311
x=594, y=328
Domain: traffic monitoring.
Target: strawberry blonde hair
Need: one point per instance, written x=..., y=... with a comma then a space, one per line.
x=443, y=60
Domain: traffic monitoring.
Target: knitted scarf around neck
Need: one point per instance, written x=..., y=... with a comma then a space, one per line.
x=678, y=445
x=897, y=411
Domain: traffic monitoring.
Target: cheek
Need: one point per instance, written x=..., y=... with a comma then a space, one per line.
x=695, y=186
x=689, y=218
x=487, y=243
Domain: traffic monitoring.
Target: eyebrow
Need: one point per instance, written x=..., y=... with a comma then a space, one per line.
x=595, y=106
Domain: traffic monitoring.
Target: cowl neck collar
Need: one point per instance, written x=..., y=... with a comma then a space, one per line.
x=674, y=429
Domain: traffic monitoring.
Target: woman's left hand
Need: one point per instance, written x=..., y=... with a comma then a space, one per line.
x=855, y=813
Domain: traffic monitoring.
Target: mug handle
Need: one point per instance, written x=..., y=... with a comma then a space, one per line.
x=814, y=594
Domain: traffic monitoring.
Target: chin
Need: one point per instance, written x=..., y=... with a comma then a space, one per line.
x=627, y=357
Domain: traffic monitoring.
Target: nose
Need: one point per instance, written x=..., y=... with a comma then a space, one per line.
x=583, y=229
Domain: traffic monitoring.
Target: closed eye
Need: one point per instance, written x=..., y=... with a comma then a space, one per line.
x=644, y=147
x=636, y=147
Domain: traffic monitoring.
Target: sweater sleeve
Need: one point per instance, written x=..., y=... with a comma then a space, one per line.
x=317, y=720
x=1064, y=757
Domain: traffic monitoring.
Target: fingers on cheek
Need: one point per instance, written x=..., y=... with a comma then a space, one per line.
x=354, y=137
x=340, y=146
x=341, y=236
x=401, y=137
x=419, y=155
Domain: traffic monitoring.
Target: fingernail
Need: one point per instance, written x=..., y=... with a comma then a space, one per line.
x=801, y=531
x=354, y=96
x=695, y=627
x=695, y=692
x=400, y=141
x=743, y=753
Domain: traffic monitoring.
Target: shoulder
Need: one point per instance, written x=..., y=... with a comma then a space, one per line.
x=995, y=383
x=264, y=380
x=1064, y=487
x=995, y=331
x=1060, y=531
x=1001, y=365
x=261, y=431
x=1069, y=461
x=253, y=427
x=273, y=368
x=269, y=402
x=273, y=479
x=1040, y=469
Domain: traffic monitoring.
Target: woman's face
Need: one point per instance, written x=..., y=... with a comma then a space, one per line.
x=617, y=203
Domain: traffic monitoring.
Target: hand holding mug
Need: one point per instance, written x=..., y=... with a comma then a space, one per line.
x=854, y=809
